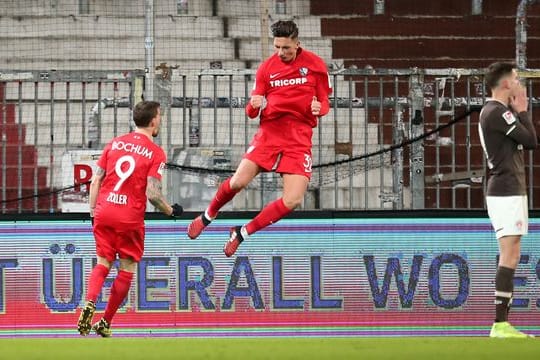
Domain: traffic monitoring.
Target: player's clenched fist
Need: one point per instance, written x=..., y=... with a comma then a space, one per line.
x=256, y=101
x=315, y=106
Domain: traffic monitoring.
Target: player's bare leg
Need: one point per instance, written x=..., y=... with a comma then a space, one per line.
x=294, y=188
x=509, y=253
x=244, y=174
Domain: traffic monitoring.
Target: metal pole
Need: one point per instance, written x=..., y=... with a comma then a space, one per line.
x=20, y=149
x=381, y=139
x=68, y=132
x=215, y=85
x=246, y=127
x=438, y=106
x=476, y=7
x=51, y=150
x=230, y=110
x=98, y=120
x=83, y=113
x=185, y=124
x=416, y=98
x=115, y=108
x=521, y=33
x=530, y=192
x=336, y=140
x=264, y=29
x=350, y=140
x=453, y=137
x=366, y=148
x=162, y=94
x=378, y=7
x=36, y=115
x=397, y=159
x=3, y=116
x=468, y=139
x=149, y=48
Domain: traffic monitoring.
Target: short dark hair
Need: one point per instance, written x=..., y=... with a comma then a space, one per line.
x=144, y=112
x=284, y=28
x=496, y=71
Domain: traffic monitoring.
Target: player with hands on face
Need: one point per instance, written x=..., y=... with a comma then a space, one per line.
x=505, y=130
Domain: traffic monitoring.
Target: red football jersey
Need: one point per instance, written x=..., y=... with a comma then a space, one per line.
x=289, y=88
x=127, y=160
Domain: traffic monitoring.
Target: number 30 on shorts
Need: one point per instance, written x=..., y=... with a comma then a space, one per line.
x=308, y=163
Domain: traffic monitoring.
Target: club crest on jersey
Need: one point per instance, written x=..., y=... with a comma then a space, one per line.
x=509, y=117
x=161, y=168
x=303, y=71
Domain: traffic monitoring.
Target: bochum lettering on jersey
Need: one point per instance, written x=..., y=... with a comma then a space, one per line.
x=132, y=148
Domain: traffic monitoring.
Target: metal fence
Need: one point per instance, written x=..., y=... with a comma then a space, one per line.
x=54, y=125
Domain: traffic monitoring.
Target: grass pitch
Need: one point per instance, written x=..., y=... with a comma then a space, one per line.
x=270, y=348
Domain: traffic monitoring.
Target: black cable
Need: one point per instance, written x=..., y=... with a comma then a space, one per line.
x=228, y=171
x=402, y=144
x=52, y=192
x=356, y=158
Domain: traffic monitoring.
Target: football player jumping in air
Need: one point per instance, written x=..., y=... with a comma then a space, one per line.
x=291, y=91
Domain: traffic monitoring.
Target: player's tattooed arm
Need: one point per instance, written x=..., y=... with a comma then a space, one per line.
x=155, y=196
x=95, y=185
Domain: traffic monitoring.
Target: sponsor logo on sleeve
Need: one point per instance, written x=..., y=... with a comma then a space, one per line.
x=161, y=168
x=509, y=117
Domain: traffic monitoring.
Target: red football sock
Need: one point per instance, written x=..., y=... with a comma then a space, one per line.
x=119, y=291
x=95, y=282
x=223, y=196
x=269, y=215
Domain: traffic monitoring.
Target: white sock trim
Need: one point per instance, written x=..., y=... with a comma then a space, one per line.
x=503, y=294
x=208, y=216
x=244, y=232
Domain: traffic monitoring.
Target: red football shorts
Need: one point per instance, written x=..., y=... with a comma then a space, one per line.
x=127, y=242
x=283, y=146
